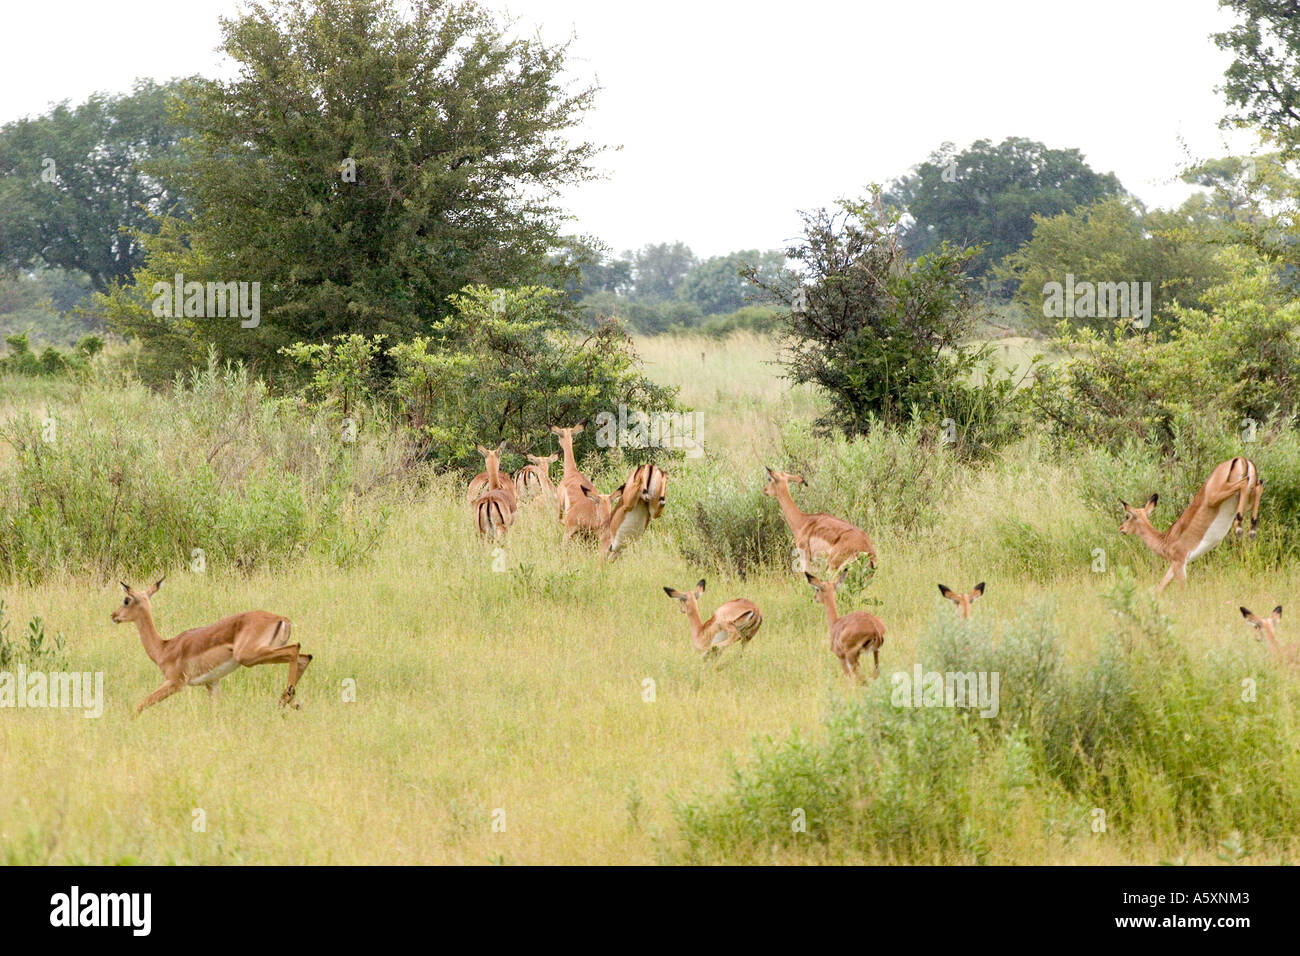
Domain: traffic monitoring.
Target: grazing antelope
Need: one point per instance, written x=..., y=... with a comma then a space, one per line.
x=494, y=510
x=202, y=656
x=535, y=478
x=1218, y=506
x=574, y=486
x=734, y=622
x=818, y=534
x=1266, y=630
x=639, y=500
x=851, y=634
x=963, y=601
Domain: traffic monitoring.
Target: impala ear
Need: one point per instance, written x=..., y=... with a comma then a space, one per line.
x=671, y=592
x=156, y=585
x=978, y=592
x=699, y=585
x=1277, y=613
x=844, y=576
x=1151, y=502
x=1248, y=615
x=1127, y=509
x=481, y=450
x=555, y=429
x=946, y=591
x=125, y=587
x=579, y=428
x=501, y=449
x=811, y=580
x=771, y=474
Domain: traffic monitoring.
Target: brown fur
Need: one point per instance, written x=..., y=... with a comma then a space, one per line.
x=818, y=534
x=1236, y=477
x=241, y=640
x=851, y=634
x=739, y=619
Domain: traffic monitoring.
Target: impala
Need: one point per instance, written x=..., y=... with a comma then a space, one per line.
x=963, y=601
x=851, y=634
x=639, y=500
x=574, y=486
x=202, y=656
x=494, y=511
x=1266, y=630
x=535, y=477
x=590, y=518
x=819, y=534
x=484, y=482
x=734, y=622
x=1218, y=506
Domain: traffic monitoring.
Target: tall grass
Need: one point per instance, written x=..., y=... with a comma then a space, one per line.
x=452, y=681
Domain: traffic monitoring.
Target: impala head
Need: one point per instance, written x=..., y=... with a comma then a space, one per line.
x=543, y=463
x=1265, y=627
x=492, y=455
x=781, y=479
x=963, y=601
x=566, y=435
x=686, y=600
x=136, y=603
x=1135, y=517
x=825, y=590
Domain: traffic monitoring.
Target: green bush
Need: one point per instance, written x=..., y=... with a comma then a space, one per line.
x=125, y=483
x=1162, y=742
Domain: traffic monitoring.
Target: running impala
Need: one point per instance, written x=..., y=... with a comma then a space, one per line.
x=734, y=622
x=851, y=634
x=818, y=534
x=639, y=500
x=494, y=510
x=1217, y=507
x=201, y=656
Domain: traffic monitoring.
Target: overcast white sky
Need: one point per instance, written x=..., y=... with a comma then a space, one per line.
x=734, y=115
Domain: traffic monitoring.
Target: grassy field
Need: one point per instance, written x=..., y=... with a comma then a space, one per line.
x=554, y=711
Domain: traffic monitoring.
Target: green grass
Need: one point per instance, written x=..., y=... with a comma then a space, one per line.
x=524, y=691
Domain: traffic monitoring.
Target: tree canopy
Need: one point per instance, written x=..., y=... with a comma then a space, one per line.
x=988, y=195
x=369, y=159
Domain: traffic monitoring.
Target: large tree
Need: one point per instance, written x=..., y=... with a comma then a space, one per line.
x=660, y=268
x=1263, y=83
x=74, y=190
x=989, y=195
x=369, y=159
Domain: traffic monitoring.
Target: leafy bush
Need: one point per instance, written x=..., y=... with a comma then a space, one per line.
x=127, y=483
x=1164, y=743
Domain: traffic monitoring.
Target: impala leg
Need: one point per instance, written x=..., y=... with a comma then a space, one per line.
x=1243, y=499
x=1254, y=507
x=875, y=653
x=1164, y=582
x=166, y=690
x=214, y=690
x=278, y=655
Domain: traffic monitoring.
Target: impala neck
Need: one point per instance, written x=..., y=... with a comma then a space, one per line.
x=693, y=615
x=832, y=613
x=1153, y=539
x=570, y=463
x=149, y=636
x=493, y=473
x=793, y=516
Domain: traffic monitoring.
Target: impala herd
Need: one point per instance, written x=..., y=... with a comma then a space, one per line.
x=202, y=656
